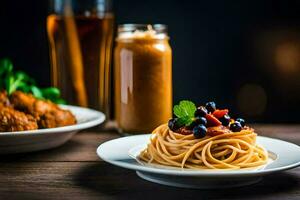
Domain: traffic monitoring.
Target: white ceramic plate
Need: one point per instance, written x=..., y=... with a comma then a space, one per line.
x=35, y=140
x=122, y=152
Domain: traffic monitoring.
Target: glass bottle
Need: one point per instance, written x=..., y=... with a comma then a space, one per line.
x=80, y=37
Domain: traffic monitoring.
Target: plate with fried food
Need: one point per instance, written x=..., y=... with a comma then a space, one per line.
x=33, y=118
x=29, y=124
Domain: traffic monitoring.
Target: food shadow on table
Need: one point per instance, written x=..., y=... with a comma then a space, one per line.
x=106, y=179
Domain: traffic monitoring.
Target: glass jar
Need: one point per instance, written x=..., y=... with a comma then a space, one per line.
x=143, y=77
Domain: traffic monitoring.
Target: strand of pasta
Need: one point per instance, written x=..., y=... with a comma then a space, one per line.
x=226, y=151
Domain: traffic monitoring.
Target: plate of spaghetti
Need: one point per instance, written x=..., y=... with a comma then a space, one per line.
x=201, y=147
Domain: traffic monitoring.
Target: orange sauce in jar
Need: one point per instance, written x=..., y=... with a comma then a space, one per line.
x=142, y=78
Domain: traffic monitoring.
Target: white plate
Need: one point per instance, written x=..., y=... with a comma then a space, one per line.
x=122, y=152
x=35, y=140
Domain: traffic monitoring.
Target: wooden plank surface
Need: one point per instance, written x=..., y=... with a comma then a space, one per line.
x=74, y=171
x=92, y=180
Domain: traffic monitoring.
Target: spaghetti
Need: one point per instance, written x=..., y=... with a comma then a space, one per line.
x=229, y=150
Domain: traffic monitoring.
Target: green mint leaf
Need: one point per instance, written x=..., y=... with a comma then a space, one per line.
x=37, y=92
x=9, y=80
x=24, y=87
x=185, y=108
x=184, y=121
x=185, y=112
x=51, y=93
x=59, y=101
x=6, y=66
x=177, y=111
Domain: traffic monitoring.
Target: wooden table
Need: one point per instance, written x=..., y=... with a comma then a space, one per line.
x=74, y=171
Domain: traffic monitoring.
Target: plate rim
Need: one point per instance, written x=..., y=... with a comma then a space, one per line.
x=198, y=173
x=100, y=117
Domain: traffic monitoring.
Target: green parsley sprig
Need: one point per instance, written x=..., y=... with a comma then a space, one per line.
x=185, y=111
x=11, y=81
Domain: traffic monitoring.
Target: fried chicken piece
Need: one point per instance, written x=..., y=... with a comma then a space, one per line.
x=47, y=114
x=13, y=120
x=4, y=99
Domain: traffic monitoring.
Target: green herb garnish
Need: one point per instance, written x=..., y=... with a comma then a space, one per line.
x=18, y=80
x=185, y=112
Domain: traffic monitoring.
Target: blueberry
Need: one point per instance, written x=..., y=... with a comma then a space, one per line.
x=200, y=120
x=172, y=123
x=199, y=131
x=201, y=111
x=197, y=121
x=236, y=127
x=242, y=121
x=191, y=126
x=225, y=120
x=210, y=106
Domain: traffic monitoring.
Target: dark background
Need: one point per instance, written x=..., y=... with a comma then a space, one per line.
x=245, y=55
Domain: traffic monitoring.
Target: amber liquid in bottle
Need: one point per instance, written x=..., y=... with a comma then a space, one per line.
x=80, y=52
